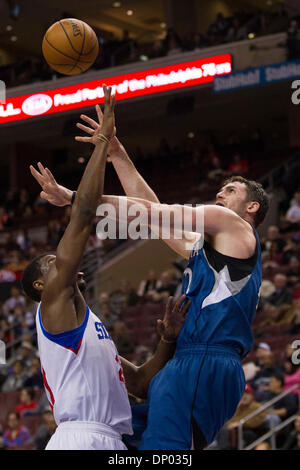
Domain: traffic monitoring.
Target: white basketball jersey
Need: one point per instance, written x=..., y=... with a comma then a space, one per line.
x=83, y=376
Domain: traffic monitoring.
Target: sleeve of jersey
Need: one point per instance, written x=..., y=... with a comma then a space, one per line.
x=69, y=339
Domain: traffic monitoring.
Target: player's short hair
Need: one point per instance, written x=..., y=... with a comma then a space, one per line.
x=31, y=273
x=256, y=193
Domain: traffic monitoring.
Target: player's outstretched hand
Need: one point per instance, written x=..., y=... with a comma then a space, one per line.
x=54, y=193
x=108, y=124
x=175, y=313
x=94, y=130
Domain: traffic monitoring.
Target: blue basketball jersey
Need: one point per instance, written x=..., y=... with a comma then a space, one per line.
x=222, y=308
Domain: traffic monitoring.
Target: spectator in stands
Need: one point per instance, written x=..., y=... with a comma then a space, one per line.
x=15, y=381
x=286, y=406
x=5, y=274
x=7, y=334
x=157, y=49
x=148, y=285
x=54, y=233
x=252, y=429
x=291, y=249
x=293, y=273
x=172, y=42
x=103, y=307
x=45, y=431
x=43, y=405
x=3, y=218
x=291, y=440
x=26, y=353
x=35, y=378
x=124, y=297
x=14, y=435
x=107, y=317
x=295, y=321
x=263, y=446
x=262, y=350
x=19, y=321
x=293, y=40
x=27, y=402
x=267, y=288
x=220, y=26
x=261, y=380
x=293, y=214
x=239, y=166
x=282, y=295
x=272, y=316
x=15, y=299
x=166, y=288
x=24, y=207
x=272, y=234
x=122, y=339
x=292, y=375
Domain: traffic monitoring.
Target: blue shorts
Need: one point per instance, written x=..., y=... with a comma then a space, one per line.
x=202, y=382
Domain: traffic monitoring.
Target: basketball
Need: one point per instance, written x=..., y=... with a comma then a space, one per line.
x=70, y=46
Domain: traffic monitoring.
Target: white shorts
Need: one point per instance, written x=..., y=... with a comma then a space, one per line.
x=83, y=435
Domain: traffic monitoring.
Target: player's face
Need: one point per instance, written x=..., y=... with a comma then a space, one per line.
x=81, y=282
x=47, y=263
x=234, y=197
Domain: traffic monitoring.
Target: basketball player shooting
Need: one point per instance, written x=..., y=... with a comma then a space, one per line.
x=199, y=389
x=82, y=372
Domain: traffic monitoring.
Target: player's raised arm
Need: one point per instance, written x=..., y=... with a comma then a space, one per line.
x=72, y=245
x=139, y=378
x=131, y=180
x=210, y=219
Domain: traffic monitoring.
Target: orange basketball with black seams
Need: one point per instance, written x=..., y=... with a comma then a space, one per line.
x=70, y=46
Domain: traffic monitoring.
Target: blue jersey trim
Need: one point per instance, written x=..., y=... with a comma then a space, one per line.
x=68, y=339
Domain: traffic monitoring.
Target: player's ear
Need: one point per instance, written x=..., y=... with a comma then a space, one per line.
x=38, y=284
x=253, y=207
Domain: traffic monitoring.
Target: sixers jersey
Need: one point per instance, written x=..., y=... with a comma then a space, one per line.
x=224, y=294
x=82, y=375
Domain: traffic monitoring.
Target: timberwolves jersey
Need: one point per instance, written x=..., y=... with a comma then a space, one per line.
x=224, y=293
x=82, y=375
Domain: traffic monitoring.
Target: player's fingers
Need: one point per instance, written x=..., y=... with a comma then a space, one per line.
x=185, y=308
x=44, y=195
x=99, y=113
x=113, y=102
x=82, y=139
x=50, y=176
x=86, y=129
x=169, y=305
x=179, y=303
x=36, y=175
x=41, y=168
x=89, y=120
x=160, y=327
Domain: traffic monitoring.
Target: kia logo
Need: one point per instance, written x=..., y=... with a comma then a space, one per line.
x=37, y=104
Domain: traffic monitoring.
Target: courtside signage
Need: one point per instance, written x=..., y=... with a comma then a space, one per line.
x=258, y=76
x=125, y=86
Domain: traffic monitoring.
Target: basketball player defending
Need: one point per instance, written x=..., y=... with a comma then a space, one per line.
x=199, y=389
x=82, y=372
